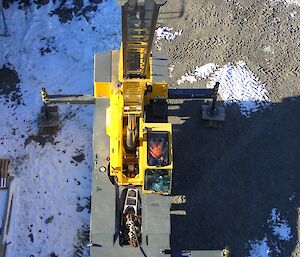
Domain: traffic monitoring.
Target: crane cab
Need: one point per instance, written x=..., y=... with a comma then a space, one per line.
x=156, y=157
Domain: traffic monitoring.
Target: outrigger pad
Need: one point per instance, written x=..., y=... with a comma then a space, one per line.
x=48, y=124
x=213, y=119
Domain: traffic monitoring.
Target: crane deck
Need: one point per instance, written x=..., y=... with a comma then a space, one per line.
x=105, y=205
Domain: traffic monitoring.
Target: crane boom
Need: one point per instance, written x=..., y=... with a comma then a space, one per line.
x=139, y=20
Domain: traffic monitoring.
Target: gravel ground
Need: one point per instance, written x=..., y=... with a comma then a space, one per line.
x=233, y=177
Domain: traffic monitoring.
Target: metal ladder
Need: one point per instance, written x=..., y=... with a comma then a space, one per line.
x=139, y=18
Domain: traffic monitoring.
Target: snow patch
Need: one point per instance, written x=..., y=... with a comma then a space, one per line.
x=200, y=72
x=205, y=71
x=280, y=227
x=237, y=85
x=259, y=248
x=165, y=33
x=187, y=78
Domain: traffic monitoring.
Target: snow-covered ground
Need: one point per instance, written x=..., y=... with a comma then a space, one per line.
x=52, y=182
x=238, y=85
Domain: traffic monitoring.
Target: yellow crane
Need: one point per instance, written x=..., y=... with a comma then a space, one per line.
x=135, y=91
x=132, y=140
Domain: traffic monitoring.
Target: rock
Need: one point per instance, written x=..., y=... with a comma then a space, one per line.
x=79, y=158
x=49, y=220
x=31, y=237
x=79, y=208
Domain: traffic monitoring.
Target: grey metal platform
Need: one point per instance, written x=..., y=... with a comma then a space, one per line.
x=105, y=205
x=103, y=192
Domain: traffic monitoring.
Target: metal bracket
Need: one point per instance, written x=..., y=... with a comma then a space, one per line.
x=48, y=120
x=213, y=115
x=67, y=99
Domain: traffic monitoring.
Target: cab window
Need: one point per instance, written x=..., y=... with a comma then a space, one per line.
x=158, y=180
x=158, y=152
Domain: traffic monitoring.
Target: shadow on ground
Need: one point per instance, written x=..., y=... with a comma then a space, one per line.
x=233, y=177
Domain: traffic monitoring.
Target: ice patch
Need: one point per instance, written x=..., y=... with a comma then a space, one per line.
x=167, y=34
x=279, y=226
x=259, y=248
x=237, y=85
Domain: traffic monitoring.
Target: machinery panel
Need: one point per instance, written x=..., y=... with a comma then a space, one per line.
x=102, y=67
x=102, y=74
x=156, y=216
x=160, y=68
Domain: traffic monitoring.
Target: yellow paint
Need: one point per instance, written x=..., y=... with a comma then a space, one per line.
x=115, y=128
x=159, y=90
x=129, y=96
x=101, y=89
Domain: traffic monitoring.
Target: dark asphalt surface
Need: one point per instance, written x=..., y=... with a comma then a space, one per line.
x=233, y=177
